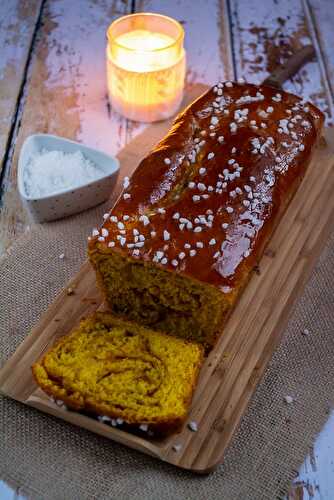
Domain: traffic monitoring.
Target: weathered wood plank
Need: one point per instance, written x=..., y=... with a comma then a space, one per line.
x=321, y=15
x=207, y=38
x=315, y=479
x=18, y=20
x=207, y=41
x=66, y=94
x=265, y=34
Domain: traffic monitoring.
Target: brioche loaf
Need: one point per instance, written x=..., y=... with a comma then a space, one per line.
x=192, y=222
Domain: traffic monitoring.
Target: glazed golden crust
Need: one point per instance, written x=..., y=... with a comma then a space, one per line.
x=204, y=202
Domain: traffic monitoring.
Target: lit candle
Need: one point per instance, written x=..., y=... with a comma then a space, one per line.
x=145, y=66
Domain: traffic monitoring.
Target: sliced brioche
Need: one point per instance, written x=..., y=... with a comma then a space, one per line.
x=119, y=369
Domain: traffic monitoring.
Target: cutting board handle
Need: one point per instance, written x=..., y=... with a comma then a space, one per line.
x=290, y=68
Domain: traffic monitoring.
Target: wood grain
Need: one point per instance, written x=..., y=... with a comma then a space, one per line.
x=315, y=478
x=265, y=34
x=207, y=37
x=18, y=20
x=233, y=369
x=321, y=16
x=203, y=68
x=67, y=92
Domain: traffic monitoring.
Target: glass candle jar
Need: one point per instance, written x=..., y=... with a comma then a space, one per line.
x=145, y=66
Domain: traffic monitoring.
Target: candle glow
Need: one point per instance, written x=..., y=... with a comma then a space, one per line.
x=146, y=67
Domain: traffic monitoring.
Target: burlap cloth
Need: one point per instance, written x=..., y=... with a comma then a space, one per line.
x=51, y=459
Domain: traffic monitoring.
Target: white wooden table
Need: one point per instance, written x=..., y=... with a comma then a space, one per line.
x=52, y=79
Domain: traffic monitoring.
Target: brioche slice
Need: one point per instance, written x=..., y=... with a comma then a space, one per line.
x=119, y=369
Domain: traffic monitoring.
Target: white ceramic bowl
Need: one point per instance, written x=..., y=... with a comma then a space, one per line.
x=70, y=200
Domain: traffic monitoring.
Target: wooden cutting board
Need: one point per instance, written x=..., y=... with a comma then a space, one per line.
x=233, y=369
